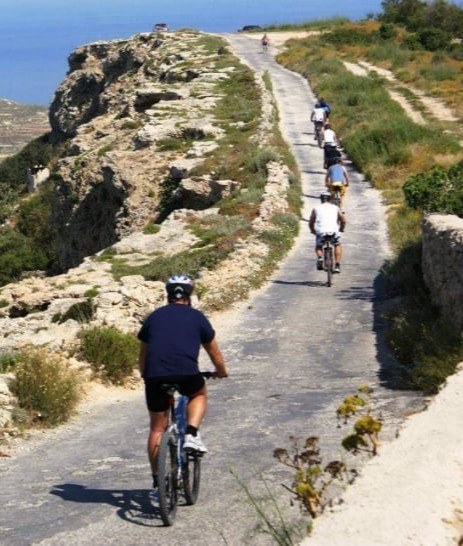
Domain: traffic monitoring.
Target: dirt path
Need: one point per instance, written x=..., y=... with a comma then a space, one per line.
x=433, y=107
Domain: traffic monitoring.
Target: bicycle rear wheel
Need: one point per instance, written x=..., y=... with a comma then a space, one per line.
x=329, y=265
x=191, y=477
x=168, y=478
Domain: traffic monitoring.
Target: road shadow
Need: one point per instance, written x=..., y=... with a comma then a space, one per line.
x=133, y=505
x=301, y=283
x=314, y=172
x=383, y=300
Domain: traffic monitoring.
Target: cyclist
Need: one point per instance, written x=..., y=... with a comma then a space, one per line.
x=331, y=153
x=323, y=104
x=318, y=117
x=330, y=136
x=171, y=338
x=337, y=176
x=265, y=42
x=327, y=218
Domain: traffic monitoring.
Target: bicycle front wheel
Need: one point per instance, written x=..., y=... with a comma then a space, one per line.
x=191, y=477
x=168, y=478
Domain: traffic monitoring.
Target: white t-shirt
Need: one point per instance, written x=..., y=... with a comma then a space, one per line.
x=318, y=114
x=330, y=136
x=326, y=218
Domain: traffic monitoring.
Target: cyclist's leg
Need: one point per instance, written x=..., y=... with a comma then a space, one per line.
x=158, y=424
x=197, y=406
x=157, y=404
x=194, y=387
x=342, y=193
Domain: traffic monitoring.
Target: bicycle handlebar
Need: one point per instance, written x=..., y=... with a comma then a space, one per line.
x=209, y=375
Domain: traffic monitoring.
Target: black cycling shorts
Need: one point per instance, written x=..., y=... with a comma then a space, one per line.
x=157, y=399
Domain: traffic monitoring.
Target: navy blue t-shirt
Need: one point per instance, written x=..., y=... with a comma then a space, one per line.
x=174, y=335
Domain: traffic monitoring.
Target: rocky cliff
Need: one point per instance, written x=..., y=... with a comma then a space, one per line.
x=131, y=115
x=443, y=263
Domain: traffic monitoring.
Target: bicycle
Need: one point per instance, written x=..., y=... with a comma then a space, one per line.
x=176, y=467
x=328, y=256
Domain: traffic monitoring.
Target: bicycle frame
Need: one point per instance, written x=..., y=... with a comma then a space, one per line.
x=177, y=468
x=328, y=257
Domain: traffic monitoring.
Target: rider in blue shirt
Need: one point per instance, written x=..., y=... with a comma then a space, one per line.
x=171, y=338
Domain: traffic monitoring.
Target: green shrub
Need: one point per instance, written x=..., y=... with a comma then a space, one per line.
x=438, y=190
x=348, y=36
x=92, y=292
x=8, y=361
x=45, y=386
x=412, y=42
x=111, y=353
x=387, y=31
x=258, y=159
x=211, y=229
x=433, y=39
x=17, y=254
x=151, y=229
x=12, y=169
x=82, y=312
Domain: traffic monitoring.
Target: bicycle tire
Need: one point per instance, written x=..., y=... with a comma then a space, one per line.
x=320, y=139
x=168, y=478
x=329, y=265
x=191, y=477
x=337, y=199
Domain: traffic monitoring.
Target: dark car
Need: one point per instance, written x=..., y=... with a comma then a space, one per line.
x=160, y=27
x=248, y=28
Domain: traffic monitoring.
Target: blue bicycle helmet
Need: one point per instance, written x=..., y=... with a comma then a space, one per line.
x=179, y=287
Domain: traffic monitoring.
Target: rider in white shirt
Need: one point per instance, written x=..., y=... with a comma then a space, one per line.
x=330, y=136
x=318, y=116
x=327, y=218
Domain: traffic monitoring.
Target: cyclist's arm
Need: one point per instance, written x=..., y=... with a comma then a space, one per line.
x=212, y=349
x=327, y=179
x=312, y=219
x=341, y=221
x=346, y=176
x=142, y=357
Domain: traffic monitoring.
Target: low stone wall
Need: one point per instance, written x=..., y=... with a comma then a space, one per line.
x=443, y=263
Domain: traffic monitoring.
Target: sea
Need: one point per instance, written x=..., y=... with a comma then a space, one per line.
x=36, y=36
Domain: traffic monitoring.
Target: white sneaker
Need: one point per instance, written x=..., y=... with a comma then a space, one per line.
x=154, y=496
x=194, y=443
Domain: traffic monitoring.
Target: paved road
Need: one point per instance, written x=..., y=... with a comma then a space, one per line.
x=296, y=351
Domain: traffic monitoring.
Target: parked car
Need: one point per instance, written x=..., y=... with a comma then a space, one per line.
x=248, y=28
x=161, y=27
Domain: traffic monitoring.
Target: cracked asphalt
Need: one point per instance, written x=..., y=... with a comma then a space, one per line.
x=294, y=351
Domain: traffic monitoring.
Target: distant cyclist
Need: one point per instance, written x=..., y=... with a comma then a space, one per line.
x=318, y=117
x=331, y=154
x=337, y=176
x=327, y=218
x=265, y=42
x=171, y=338
x=323, y=104
x=330, y=136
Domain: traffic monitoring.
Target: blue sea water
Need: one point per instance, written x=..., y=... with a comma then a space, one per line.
x=36, y=36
